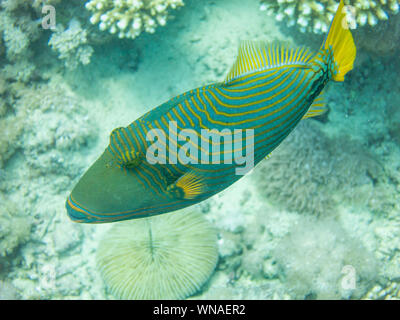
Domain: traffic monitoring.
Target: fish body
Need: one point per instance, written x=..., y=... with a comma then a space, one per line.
x=193, y=146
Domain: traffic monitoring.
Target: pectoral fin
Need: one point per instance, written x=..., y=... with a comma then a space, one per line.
x=189, y=186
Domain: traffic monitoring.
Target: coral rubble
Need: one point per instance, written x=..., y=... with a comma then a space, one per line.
x=317, y=258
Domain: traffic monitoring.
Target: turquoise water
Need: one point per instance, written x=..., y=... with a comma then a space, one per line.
x=319, y=219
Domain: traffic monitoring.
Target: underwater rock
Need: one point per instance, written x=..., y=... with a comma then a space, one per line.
x=316, y=16
x=67, y=237
x=162, y=257
x=128, y=18
x=15, y=227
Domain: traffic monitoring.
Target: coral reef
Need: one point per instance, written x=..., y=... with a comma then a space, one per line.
x=55, y=130
x=71, y=44
x=128, y=18
x=67, y=129
x=48, y=133
x=17, y=28
x=316, y=16
x=22, y=36
x=316, y=257
x=169, y=256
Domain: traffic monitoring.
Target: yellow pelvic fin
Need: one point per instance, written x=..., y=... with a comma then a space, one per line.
x=317, y=108
x=260, y=55
x=189, y=186
x=340, y=39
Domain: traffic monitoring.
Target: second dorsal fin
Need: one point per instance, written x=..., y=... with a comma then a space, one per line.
x=260, y=55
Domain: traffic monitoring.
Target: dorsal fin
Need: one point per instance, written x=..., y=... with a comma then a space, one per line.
x=261, y=55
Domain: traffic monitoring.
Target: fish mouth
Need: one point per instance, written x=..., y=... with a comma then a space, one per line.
x=108, y=194
x=77, y=214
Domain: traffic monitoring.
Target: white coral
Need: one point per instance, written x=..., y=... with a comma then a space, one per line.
x=316, y=16
x=129, y=18
x=71, y=44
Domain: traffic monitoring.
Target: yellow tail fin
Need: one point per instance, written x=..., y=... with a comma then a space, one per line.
x=342, y=43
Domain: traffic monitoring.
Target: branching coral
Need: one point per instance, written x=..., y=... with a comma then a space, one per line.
x=71, y=45
x=316, y=16
x=128, y=18
x=22, y=34
x=18, y=28
x=169, y=256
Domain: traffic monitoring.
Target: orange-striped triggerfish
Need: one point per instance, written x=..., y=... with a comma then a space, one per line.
x=192, y=146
